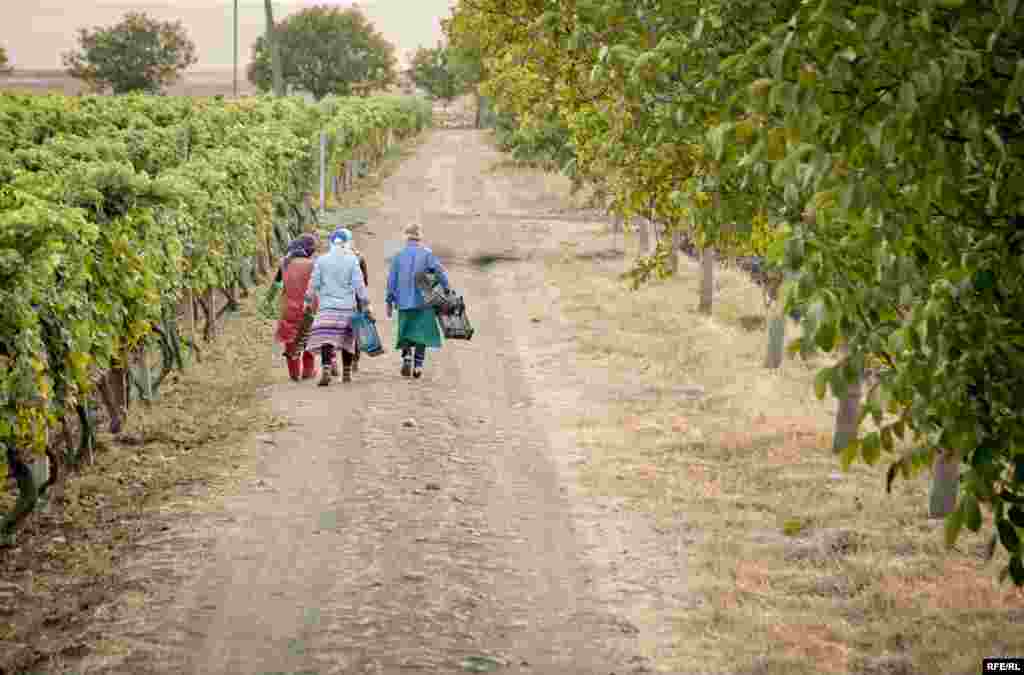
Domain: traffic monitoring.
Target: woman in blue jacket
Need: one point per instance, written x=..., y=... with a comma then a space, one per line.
x=336, y=289
x=417, y=322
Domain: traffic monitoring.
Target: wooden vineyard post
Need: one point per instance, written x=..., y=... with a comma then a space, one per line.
x=192, y=325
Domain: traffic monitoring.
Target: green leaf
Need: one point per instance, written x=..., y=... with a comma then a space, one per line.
x=1016, y=570
x=826, y=336
x=871, y=448
x=1016, y=515
x=954, y=522
x=973, y=510
x=1008, y=535
x=821, y=380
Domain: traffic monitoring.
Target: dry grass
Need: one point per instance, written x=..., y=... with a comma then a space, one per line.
x=801, y=568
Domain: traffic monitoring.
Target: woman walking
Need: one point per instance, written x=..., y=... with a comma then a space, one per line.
x=336, y=288
x=293, y=326
x=417, y=322
x=366, y=280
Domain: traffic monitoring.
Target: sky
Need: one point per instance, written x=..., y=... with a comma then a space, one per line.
x=37, y=32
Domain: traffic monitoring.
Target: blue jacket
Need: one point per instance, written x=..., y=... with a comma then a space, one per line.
x=410, y=261
x=337, y=280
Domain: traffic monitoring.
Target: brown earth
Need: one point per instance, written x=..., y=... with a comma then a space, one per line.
x=417, y=526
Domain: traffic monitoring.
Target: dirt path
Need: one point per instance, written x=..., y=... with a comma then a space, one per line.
x=362, y=544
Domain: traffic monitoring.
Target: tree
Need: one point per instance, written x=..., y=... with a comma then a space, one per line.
x=874, y=147
x=137, y=54
x=5, y=66
x=326, y=50
x=433, y=71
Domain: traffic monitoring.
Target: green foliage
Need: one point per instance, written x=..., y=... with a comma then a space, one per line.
x=111, y=209
x=875, y=149
x=139, y=54
x=433, y=71
x=326, y=51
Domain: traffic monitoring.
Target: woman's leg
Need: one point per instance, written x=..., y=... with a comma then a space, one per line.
x=326, y=359
x=294, y=366
x=346, y=365
x=406, y=361
x=420, y=358
x=308, y=365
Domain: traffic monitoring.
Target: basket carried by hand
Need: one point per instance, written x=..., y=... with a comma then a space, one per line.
x=434, y=294
x=455, y=322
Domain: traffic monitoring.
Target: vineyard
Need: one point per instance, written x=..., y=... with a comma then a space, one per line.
x=865, y=159
x=130, y=226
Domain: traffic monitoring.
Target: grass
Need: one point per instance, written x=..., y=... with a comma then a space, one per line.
x=800, y=568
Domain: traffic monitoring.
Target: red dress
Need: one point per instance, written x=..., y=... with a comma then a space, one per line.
x=296, y=279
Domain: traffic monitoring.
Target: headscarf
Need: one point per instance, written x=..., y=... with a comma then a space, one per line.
x=342, y=235
x=303, y=246
x=414, y=231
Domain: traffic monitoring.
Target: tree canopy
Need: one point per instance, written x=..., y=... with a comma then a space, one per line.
x=327, y=50
x=875, y=148
x=434, y=71
x=138, y=54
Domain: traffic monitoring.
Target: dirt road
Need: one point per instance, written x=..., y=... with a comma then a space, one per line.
x=420, y=526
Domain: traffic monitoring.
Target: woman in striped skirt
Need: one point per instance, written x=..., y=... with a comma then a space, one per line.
x=336, y=289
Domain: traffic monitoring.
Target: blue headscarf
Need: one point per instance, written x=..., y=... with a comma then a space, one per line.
x=341, y=236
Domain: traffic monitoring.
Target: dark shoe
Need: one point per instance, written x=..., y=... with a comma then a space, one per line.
x=417, y=373
x=325, y=377
x=346, y=375
x=406, y=370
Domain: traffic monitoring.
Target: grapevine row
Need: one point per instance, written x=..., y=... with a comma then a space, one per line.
x=113, y=210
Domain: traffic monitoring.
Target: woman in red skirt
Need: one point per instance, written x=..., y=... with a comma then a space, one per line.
x=293, y=326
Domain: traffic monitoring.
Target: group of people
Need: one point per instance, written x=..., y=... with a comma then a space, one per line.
x=323, y=293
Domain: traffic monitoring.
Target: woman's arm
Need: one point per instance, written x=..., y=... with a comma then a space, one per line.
x=315, y=283
x=359, y=285
x=392, y=296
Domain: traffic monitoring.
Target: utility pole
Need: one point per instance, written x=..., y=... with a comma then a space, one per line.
x=236, y=49
x=275, y=50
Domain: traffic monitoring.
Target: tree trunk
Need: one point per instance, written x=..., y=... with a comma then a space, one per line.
x=673, y=256
x=776, y=337
x=643, y=229
x=114, y=396
x=707, y=280
x=28, y=493
x=945, y=484
x=275, y=50
x=479, y=109
x=848, y=414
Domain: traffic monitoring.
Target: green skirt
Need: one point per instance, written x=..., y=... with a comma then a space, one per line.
x=417, y=327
